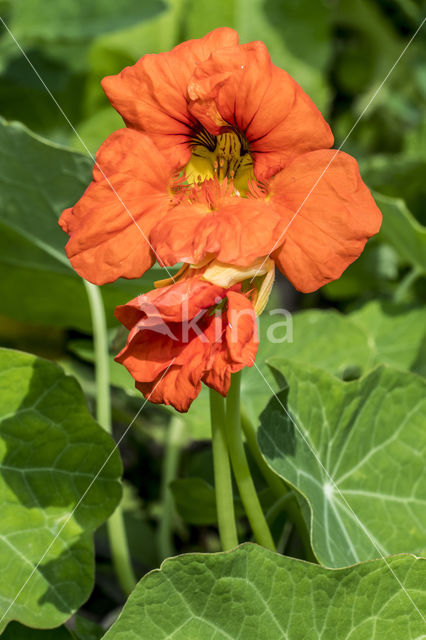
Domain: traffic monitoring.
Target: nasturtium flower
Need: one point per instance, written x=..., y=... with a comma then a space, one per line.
x=224, y=157
x=184, y=334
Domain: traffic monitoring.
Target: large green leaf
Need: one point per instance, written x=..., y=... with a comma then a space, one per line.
x=355, y=451
x=252, y=593
x=59, y=482
x=403, y=231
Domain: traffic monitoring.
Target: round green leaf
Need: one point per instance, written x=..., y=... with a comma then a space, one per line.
x=59, y=481
x=252, y=593
x=326, y=339
x=355, y=451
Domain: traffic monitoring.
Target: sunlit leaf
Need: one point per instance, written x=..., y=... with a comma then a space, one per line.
x=252, y=593
x=355, y=451
x=51, y=452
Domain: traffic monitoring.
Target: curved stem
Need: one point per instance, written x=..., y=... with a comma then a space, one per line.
x=241, y=469
x=222, y=474
x=171, y=460
x=406, y=283
x=273, y=481
x=115, y=524
x=285, y=496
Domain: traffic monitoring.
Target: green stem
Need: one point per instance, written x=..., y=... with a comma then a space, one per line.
x=407, y=282
x=241, y=469
x=222, y=474
x=171, y=461
x=278, y=487
x=115, y=524
x=273, y=481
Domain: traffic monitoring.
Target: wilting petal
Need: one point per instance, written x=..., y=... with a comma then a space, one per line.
x=109, y=226
x=174, y=303
x=333, y=215
x=168, y=360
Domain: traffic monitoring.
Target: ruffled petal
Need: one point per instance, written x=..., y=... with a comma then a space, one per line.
x=151, y=95
x=333, y=215
x=242, y=88
x=109, y=226
x=174, y=303
x=237, y=231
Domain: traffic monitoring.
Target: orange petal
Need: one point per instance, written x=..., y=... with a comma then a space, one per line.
x=174, y=303
x=241, y=331
x=151, y=95
x=237, y=232
x=109, y=226
x=177, y=387
x=333, y=215
x=241, y=86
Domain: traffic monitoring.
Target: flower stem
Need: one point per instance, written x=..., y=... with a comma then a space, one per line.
x=171, y=460
x=222, y=474
x=284, y=495
x=241, y=469
x=115, y=524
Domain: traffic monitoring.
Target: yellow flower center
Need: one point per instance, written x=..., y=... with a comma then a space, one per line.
x=225, y=156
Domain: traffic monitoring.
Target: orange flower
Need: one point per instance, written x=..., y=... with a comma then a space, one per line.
x=242, y=171
x=211, y=95
x=184, y=334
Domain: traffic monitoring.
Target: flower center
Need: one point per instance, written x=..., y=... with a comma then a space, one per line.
x=225, y=156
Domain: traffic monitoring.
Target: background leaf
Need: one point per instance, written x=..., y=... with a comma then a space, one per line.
x=395, y=332
x=252, y=593
x=34, y=19
x=51, y=450
x=38, y=180
x=403, y=231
